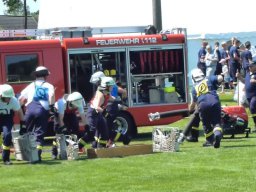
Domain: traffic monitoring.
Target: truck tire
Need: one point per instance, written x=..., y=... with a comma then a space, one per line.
x=127, y=124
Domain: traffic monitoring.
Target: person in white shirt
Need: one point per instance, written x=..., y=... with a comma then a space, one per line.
x=65, y=117
x=8, y=106
x=211, y=60
x=40, y=98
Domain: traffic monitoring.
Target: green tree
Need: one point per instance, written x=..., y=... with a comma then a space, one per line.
x=18, y=7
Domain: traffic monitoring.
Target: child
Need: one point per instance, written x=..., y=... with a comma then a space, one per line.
x=225, y=73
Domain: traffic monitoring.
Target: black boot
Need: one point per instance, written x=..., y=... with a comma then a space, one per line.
x=39, y=155
x=191, y=139
x=54, y=152
x=6, y=157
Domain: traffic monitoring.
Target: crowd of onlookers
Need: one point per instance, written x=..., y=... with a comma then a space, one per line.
x=226, y=58
x=236, y=62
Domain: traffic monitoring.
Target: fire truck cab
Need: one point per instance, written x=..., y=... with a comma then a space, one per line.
x=151, y=67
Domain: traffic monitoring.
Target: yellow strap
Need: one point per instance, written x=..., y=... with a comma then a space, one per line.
x=39, y=147
x=5, y=147
x=208, y=134
x=195, y=128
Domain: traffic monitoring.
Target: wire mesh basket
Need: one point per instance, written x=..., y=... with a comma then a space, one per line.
x=165, y=139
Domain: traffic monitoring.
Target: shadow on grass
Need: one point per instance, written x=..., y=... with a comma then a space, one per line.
x=143, y=137
x=234, y=146
x=43, y=162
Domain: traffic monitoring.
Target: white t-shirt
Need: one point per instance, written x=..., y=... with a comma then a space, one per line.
x=29, y=92
x=5, y=108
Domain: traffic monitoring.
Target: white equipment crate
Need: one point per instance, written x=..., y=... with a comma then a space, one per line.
x=165, y=139
x=25, y=146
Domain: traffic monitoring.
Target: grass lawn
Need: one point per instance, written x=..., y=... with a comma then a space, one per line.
x=192, y=169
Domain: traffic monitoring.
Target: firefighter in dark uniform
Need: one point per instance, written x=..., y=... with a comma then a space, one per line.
x=207, y=100
x=116, y=131
x=38, y=98
x=95, y=114
x=250, y=89
x=8, y=106
x=65, y=116
x=194, y=134
x=234, y=60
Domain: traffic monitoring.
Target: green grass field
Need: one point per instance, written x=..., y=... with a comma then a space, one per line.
x=230, y=168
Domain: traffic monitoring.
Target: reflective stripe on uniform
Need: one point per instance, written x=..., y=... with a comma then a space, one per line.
x=39, y=147
x=100, y=141
x=5, y=147
x=208, y=134
x=195, y=128
x=253, y=115
x=117, y=136
x=82, y=142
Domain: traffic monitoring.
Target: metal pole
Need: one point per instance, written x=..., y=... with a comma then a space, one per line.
x=157, y=14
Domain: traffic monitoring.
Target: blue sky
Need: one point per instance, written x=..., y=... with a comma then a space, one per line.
x=32, y=5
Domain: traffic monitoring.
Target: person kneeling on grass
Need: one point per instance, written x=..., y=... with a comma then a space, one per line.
x=207, y=100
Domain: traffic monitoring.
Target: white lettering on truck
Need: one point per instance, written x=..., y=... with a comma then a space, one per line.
x=130, y=41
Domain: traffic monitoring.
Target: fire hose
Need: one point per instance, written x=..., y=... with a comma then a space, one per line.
x=186, y=130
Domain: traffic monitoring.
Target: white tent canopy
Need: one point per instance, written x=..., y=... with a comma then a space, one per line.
x=210, y=20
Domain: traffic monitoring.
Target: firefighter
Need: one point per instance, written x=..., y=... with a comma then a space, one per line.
x=113, y=108
x=95, y=114
x=250, y=89
x=8, y=106
x=215, y=82
x=206, y=98
x=38, y=98
x=66, y=120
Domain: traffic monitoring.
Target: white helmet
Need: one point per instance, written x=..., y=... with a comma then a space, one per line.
x=41, y=71
x=95, y=78
x=197, y=75
x=107, y=81
x=6, y=91
x=75, y=99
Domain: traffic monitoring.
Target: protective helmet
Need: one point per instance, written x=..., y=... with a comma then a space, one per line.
x=95, y=78
x=219, y=78
x=107, y=81
x=6, y=91
x=41, y=71
x=197, y=75
x=75, y=99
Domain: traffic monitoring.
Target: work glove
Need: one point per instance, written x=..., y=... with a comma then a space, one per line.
x=23, y=128
x=61, y=130
x=105, y=113
x=51, y=111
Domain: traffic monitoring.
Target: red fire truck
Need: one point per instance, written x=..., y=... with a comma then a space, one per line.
x=152, y=68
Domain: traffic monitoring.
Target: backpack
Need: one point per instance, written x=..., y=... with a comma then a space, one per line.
x=41, y=93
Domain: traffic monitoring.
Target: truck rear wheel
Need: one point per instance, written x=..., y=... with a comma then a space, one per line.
x=127, y=124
